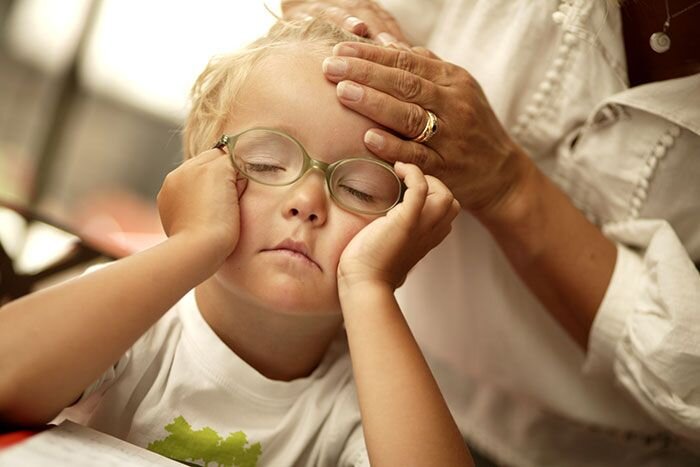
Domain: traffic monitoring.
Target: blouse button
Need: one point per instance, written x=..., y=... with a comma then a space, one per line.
x=659, y=151
x=558, y=63
x=564, y=49
x=651, y=163
x=569, y=39
x=530, y=111
x=558, y=17
x=674, y=131
x=564, y=8
x=636, y=203
x=634, y=212
x=545, y=86
x=667, y=140
x=643, y=184
x=538, y=97
x=640, y=193
x=551, y=75
x=646, y=171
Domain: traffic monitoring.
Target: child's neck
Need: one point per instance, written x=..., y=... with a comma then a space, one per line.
x=280, y=346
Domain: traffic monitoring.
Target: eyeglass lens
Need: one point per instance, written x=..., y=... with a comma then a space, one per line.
x=273, y=158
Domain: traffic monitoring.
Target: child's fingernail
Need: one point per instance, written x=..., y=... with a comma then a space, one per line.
x=349, y=91
x=346, y=50
x=374, y=139
x=385, y=38
x=334, y=66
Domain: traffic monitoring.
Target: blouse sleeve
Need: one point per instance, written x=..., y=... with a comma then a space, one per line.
x=646, y=334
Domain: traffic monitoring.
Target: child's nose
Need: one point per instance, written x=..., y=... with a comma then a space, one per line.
x=308, y=199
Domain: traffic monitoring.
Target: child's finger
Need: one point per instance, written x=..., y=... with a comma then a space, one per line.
x=209, y=155
x=417, y=190
x=439, y=204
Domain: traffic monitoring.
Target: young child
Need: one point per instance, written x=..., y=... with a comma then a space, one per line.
x=231, y=337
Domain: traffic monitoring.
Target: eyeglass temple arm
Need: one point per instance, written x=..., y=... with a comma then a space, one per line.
x=223, y=141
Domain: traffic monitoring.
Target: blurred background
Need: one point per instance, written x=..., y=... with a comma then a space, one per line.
x=92, y=99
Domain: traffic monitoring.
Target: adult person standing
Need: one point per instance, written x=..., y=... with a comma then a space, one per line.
x=568, y=314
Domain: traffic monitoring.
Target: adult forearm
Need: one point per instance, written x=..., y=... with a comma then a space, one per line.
x=405, y=418
x=563, y=258
x=55, y=342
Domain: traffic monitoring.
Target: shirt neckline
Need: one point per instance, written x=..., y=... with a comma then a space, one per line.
x=235, y=374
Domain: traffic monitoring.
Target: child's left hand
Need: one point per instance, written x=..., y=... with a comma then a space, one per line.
x=387, y=248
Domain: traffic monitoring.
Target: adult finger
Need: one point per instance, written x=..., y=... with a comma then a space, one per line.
x=394, y=149
x=429, y=68
x=424, y=52
x=346, y=20
x=402, y=84
x=378, y=20
x=405, y=118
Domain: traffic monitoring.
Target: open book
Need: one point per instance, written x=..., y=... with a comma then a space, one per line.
x=73, y=445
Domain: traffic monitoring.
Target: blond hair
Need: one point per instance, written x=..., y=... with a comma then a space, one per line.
x=216, y=88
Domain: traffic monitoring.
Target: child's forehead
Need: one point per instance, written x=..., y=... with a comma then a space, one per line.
x=298, y=56
x=287, y=90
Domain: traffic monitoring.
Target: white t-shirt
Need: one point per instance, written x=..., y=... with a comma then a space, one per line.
x=182, y=392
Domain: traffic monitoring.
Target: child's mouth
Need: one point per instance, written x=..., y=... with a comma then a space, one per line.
x=296, y=250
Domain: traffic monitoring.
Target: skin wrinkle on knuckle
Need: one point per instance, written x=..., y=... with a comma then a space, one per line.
x=359, y=71
x=373, y=53
x=403, y=61
x=415, y=120
x=419, y=157
x=408, y=86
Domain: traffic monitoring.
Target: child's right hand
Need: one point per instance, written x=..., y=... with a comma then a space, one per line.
x=200, y=199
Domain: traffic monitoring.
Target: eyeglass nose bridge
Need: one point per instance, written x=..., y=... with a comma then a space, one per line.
x=323, y=167
x=310, y=164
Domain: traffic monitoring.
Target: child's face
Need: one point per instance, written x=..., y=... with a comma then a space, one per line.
x=288, y=92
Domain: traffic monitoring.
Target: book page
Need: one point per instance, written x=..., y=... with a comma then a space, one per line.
x=73, y=445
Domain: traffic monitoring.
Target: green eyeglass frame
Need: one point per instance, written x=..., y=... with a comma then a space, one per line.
x=309, y=163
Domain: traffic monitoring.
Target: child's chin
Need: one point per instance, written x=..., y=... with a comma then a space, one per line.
x=295, y=305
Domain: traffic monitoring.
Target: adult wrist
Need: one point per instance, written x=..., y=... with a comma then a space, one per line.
x=519, y=198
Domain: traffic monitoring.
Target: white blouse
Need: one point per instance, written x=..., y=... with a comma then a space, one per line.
x=521, y=390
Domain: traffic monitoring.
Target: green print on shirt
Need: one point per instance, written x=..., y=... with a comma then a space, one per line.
x=206, y=445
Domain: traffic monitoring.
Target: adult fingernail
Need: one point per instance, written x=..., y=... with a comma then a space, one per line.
x=353, y=22
x=385, y=38
x=346, y=50
x=349, y=91
x=334, y=66
x=374, y=139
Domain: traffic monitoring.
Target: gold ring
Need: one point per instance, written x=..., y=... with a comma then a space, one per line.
x=431, y=127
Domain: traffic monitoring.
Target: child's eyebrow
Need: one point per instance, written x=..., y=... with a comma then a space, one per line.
x=287, y=128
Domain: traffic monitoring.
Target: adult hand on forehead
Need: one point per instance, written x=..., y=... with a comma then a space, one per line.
x=471, y=151
x=362, y=17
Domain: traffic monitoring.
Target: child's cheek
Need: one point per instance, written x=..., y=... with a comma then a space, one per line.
x=241, y=186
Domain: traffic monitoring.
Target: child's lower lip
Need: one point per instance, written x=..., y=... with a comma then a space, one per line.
x=295, y=255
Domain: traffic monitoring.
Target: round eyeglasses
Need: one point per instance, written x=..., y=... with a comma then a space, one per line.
x=271, y=157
